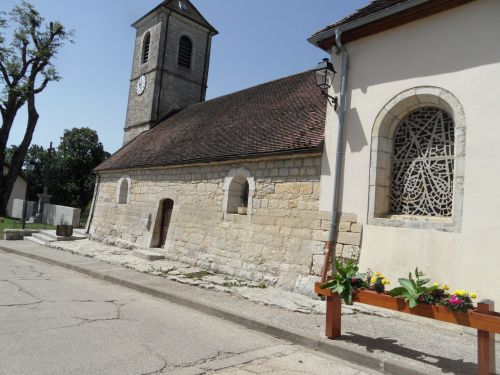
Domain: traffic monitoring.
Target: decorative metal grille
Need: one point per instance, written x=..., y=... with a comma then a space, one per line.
x=423, y=164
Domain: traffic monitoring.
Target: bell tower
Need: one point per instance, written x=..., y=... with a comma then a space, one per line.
x=170, y=65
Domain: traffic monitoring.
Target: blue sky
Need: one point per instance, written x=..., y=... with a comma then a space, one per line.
x=259, y=40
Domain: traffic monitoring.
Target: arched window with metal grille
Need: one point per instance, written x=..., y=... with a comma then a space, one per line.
x=423, y=164
x=146, y=44
x=185, y=52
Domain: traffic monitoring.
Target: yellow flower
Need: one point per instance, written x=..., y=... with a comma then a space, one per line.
x=456, y=292
x=386, y=282
x=378, y=274
x=373, y=280
x=436, y=285
x=445, y=287
x=463, y=293
x=473, y=295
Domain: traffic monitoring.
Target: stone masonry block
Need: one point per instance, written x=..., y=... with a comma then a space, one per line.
x=348, y=238
x=345, y=216
x=357, y=228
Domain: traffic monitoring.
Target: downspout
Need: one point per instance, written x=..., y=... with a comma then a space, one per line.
x=94, y=199
x=330, y=244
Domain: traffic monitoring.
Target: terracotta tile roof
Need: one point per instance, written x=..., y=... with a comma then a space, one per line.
x=374, y=7
x=278, y=117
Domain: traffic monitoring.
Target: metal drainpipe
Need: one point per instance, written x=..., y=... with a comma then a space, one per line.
x=94, y=201
x=330, y=244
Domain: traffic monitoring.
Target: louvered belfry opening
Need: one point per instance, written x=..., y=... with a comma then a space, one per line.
x=145, y=48
x=185, y=52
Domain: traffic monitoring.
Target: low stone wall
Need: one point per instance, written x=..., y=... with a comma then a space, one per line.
x=17, y=234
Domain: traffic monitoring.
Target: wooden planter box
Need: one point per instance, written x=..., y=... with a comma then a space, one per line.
x=64, y=230
x=483, y=318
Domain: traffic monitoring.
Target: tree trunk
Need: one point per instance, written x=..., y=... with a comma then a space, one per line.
x=5, y=190
x=8, y=181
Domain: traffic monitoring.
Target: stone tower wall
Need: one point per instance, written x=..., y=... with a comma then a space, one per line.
x=169, y=87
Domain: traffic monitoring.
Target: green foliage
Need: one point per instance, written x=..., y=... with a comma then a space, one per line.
x=412, y=289
x=79, y=152
x=30, y=51
x=26, y=67
x=345, y=280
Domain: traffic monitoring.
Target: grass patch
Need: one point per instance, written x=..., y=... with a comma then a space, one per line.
x=7, y=223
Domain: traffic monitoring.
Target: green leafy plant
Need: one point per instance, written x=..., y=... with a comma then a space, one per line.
x=412, y=289
x=345, y=280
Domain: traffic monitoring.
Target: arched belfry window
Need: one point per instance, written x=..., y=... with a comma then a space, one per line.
x=146, y=45
x=423, y=164
x=185, y=52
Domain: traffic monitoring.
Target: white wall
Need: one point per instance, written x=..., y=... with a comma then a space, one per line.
x=18, y=192
x=458, y=50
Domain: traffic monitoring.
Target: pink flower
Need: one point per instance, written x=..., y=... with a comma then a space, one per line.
x=455, y=301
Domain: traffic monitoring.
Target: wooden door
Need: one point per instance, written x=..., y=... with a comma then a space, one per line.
x=166, y=214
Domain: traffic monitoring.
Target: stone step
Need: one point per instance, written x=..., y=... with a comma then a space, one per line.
x=35, y=240
x=44, y=237
x=148, y=255
x=52, y=234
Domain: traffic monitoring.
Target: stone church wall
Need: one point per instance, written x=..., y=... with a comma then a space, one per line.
x=281, y=243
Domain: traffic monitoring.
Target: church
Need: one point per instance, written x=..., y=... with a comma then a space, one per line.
x=401, y=147
x=229, y=184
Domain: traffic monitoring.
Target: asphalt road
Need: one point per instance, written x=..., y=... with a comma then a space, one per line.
x=55, y=321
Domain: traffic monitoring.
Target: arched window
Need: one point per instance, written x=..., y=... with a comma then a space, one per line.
x=146, y=44
x=122, y=194
x=417, y=162
x=423, y=164
x=239, y=189
x=238, y=196
x=185, y=52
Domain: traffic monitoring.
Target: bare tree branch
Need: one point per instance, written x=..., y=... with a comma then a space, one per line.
x=42, y=86
x=5, y=75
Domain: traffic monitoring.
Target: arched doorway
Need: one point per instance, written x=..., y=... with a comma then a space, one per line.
x=166, y=208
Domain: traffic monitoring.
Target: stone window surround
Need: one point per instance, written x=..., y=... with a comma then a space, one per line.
x=119, y=196
x=235, y=173
x=381, y=158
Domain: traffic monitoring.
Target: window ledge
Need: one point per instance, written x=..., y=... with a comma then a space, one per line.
x=442, y=224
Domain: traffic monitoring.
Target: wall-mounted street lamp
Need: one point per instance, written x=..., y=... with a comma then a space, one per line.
x=325, y=73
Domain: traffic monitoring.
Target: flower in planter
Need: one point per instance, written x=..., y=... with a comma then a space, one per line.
x=459, y=301
x=378, y=282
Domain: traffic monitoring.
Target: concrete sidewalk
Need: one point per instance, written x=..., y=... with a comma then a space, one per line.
x=386, y=344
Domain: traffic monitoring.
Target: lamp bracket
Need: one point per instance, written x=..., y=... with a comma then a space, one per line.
x=332, y=100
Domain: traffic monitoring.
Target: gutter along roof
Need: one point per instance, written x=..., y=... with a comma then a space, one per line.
x=378, y=16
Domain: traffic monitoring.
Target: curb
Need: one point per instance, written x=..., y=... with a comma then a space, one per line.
x=367, y=360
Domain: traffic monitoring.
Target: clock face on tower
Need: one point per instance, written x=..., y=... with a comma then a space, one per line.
x=141, y=85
